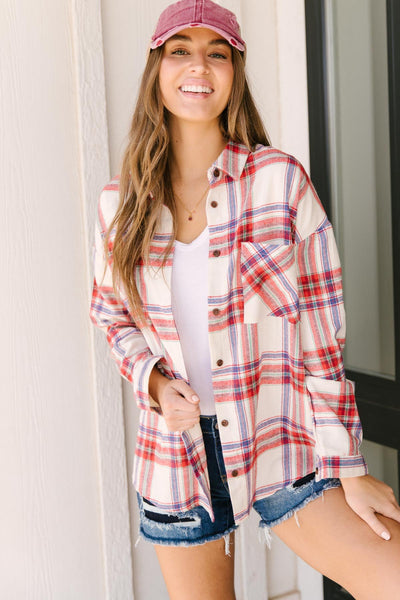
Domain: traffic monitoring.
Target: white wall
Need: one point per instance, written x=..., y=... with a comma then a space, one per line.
x=51, y=541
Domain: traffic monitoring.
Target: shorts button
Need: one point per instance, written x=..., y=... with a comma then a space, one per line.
x=225, y=423
x=217, y=253
x=216, y=312
x=216, y=172
x=220, y=362
x=235, y=473
x=214, y=204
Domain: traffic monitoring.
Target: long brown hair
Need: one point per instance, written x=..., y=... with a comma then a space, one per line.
x=145, y=182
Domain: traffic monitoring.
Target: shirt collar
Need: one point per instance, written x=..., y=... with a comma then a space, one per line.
x=231, y=160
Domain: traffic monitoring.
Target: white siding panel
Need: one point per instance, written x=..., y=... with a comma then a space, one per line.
x=107, y=391
x=50, y=531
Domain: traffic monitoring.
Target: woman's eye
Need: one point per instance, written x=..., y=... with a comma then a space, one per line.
x=179, y=51
x=218, y=55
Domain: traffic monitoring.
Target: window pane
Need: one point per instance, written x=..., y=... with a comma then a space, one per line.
x=382, y=463
x=360, y=160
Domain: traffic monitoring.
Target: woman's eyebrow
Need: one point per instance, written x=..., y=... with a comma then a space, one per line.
x=186, y=38
x=179, y=37
x=219, y=42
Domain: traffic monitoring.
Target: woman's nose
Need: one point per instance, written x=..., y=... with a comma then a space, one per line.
x=199, y=63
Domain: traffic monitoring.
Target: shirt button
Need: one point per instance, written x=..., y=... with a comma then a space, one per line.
x=216, y=172
x=225, y=423
x=214, y=204
x=217, y=253
x=220, y=362
x=235, y=473
x=216, y=312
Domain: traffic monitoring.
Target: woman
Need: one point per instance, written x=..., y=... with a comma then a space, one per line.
x=221, y=297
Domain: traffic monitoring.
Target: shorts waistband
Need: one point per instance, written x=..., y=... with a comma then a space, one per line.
x=208, y=423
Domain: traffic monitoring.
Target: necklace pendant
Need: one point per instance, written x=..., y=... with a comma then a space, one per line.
x=190, y=218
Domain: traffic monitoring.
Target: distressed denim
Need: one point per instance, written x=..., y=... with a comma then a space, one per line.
x=195, y=527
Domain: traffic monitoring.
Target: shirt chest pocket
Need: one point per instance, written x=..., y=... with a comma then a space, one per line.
x=269, y=280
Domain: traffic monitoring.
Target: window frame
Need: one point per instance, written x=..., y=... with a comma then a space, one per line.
x=378, y=398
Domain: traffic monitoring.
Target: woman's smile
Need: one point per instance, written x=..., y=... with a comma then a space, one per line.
x=196, y=88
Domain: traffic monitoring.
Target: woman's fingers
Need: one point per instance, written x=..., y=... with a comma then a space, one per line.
x=179, y=422
x=388, y=509
x=393, y=512
x=186, y=391
x=372, y=520
x=180, y=406
x=368, y=496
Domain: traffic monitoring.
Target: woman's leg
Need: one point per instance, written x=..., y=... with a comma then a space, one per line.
x=333, y=539
x=198, y=572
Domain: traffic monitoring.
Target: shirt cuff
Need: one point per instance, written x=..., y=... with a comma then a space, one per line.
x=340, y=466
x=141, y=385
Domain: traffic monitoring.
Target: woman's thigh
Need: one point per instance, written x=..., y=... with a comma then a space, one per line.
x=198, y=572
x=333, y=539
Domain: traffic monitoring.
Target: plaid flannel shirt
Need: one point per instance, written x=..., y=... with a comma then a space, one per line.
x=283, y=403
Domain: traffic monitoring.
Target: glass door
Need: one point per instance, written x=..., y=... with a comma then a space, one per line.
x=353, y=55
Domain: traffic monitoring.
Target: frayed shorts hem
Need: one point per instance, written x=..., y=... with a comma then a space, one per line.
x=186, y=543
x=267, y=527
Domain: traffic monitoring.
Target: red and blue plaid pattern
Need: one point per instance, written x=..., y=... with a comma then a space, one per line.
x=275, y=344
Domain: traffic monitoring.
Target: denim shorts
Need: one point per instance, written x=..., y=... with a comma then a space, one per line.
x=195, y=527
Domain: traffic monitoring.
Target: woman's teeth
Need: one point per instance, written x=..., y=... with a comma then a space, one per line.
x=197, y=89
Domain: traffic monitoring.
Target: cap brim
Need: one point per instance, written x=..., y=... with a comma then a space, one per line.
x=233, y=41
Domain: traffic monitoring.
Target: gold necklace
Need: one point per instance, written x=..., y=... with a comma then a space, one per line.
x=193, y=210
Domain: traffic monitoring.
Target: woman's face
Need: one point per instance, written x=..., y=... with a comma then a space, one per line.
x=196, y=75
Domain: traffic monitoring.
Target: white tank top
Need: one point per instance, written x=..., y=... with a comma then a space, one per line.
x=190, y=309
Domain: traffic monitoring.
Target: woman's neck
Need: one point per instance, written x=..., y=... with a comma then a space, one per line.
x=194, y=148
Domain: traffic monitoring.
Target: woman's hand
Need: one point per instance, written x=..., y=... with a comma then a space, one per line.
x=180, y=405
x=367, y=496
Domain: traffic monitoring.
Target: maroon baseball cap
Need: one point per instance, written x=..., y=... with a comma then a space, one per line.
x=197, y=13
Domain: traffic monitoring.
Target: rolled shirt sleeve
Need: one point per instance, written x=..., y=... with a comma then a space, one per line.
x=338, y=431
x=128, y=345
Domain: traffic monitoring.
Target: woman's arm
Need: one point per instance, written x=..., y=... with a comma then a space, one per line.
x=127, y=343
x=129, y=347
x=178, y=402
x=337, y=425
